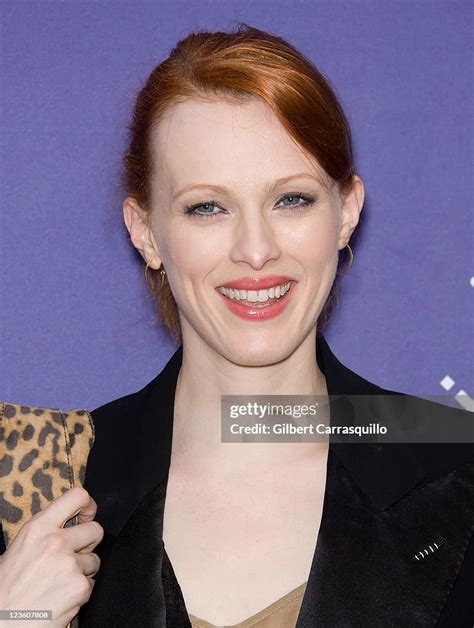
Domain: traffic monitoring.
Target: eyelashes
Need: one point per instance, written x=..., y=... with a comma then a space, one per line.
x=307, y=201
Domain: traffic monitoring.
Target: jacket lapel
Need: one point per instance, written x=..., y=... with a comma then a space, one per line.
x=387, y=566
x=136, y=584
x=384, y=505
x=396, y=522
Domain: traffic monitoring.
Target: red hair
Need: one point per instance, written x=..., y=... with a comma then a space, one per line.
x=238, y=65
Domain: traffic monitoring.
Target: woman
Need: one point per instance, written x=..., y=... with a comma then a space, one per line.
x=241, y=192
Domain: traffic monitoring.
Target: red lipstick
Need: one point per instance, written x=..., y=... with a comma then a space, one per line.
x=257, y=283
x=259, y=311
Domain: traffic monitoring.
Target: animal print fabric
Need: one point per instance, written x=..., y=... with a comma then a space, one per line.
x=43, y=453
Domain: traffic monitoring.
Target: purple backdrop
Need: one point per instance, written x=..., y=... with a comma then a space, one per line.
x=77, y=324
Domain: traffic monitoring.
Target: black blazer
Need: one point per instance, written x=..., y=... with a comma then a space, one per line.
x=384, y=504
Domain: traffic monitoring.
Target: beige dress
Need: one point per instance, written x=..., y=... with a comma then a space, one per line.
x=282, y=613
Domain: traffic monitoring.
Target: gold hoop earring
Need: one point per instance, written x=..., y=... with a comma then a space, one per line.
x=350, y=261
x=162, y=273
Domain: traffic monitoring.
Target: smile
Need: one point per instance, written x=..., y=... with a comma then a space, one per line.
x=258, y=305
x=252, y=297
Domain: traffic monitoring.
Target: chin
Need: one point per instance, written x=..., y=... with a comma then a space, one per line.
x=261, y=350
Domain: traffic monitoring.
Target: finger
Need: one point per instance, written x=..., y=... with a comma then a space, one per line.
x=83, y=535
x=89, y=548
x=89, y=512
x=72, y=502
x=89, y=564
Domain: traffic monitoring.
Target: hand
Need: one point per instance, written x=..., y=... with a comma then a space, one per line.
x=48, y=567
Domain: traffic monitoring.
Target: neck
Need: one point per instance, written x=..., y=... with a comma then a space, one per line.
x=206, y=375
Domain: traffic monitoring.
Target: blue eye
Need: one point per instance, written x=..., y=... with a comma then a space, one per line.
x=306, y=201
x=191, y=210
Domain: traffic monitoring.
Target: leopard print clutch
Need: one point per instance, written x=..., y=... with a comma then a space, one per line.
x=43, y=453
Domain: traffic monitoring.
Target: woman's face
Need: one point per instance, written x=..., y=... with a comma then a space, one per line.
x=234, y=199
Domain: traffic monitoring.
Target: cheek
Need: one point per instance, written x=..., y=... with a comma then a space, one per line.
x=325, y=249
x=314, y=245
x=193, y=251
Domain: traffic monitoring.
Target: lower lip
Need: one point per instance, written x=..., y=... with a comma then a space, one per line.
x=256, y=313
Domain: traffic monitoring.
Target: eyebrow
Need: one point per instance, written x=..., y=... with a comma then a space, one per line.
x=269, y=187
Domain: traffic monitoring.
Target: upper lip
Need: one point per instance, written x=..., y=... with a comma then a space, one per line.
x=256, y=283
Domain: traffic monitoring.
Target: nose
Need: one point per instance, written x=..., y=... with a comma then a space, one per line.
x=254, y=240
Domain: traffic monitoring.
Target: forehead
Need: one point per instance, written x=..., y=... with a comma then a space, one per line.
x=224, y=142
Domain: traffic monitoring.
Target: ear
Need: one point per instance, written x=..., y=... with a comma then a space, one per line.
x=352, y=204
x=137, y=223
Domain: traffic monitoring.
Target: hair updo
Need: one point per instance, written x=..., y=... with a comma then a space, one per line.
x=238, y=65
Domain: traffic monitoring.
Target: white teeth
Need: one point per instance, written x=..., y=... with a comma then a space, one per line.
x=256, y=296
